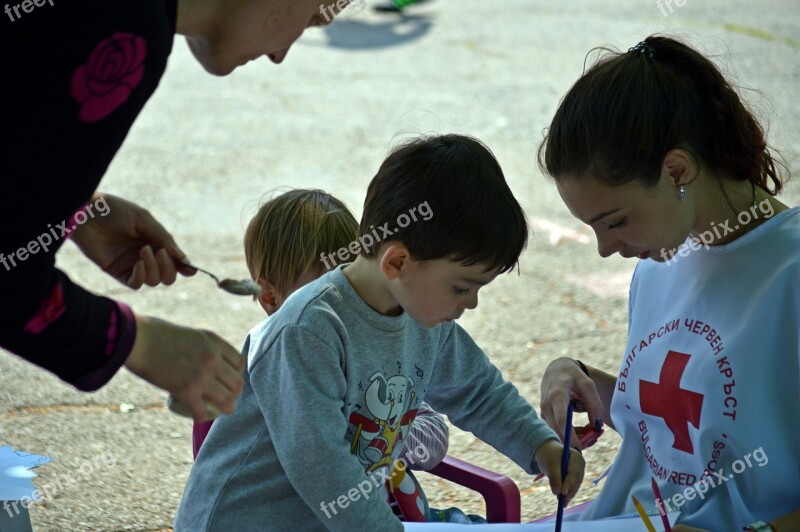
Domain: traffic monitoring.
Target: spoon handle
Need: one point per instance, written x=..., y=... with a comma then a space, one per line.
x=184, y=263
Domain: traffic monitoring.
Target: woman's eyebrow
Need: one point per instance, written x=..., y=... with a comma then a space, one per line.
x=601, y=216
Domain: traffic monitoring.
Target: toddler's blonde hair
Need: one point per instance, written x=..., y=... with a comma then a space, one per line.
x=288, y=234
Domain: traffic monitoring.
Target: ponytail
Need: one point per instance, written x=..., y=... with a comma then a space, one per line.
x=621, y=117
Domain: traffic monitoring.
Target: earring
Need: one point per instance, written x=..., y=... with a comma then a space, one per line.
x=683, y=193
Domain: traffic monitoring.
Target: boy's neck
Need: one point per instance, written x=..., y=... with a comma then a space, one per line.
x=368, y=281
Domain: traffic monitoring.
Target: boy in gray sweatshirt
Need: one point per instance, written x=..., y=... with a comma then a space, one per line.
x=338, y=374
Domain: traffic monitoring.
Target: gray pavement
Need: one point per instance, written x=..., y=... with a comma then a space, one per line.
x=206, y=150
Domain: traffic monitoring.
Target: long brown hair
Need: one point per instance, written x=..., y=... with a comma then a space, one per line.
x=621, y=117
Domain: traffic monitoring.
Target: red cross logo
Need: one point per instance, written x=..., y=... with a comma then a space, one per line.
x=666, y=399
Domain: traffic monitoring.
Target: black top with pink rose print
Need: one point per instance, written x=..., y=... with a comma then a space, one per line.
x=75, y=75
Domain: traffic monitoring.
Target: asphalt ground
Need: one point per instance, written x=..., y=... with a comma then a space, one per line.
x=206, y=150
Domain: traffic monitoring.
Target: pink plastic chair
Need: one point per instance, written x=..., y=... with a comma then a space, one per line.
x=199, y=433
x=498, y=491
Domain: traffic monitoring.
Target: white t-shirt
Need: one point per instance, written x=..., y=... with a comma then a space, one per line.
x=710, y=382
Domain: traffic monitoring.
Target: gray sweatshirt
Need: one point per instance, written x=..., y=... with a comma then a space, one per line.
x=332, y=387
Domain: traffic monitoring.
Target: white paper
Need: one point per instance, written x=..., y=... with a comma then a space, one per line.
x=15, y=474
x=625, y=523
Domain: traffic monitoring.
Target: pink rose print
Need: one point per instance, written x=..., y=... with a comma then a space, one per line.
x=106, y=80
x=50, y=309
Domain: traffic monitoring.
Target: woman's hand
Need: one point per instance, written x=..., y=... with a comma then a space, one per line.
x=129, y=244
x=563, y=381
x=198, y=368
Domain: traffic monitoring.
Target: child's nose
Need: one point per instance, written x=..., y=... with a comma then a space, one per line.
x=472, y=303
x=607, y=246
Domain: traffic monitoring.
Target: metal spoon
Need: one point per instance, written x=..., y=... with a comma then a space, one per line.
x=245, y=287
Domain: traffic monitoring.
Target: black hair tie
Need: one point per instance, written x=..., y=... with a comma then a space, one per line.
x=643, y=48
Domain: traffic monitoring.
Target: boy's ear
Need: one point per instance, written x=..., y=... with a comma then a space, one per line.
x=268, y=297
x=394, y=260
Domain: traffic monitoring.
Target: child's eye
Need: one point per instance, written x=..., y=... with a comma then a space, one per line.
x=461, y=291
x=618, y=224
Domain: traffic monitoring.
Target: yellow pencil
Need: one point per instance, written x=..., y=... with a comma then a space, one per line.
x=643, y=514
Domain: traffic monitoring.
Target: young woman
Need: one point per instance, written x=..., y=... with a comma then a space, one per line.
x=656, y=151
x=78, y=77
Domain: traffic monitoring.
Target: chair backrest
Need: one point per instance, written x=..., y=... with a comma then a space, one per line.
x=500, y=493
x=199, y=433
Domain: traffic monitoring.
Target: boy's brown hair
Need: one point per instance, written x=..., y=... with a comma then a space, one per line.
x=472, y=215
x=288, y=234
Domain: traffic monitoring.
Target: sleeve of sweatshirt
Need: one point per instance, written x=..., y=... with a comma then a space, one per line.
x=430, y=434
x=471, y=391
x=300, y=386
x=48, y=320
x=64, y=128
